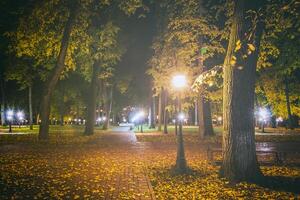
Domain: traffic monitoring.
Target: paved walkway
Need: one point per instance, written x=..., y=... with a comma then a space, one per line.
x=131, y=180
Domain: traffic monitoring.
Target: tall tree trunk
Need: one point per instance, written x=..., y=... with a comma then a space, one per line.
x=165, y=112
x=204, y=112
x=30, y=106
x=288, y=104
x=205, y=121
x=108, y=108
x=54, y=76
x=3, y=102
x=91, y=106
x=239, y=152
x=38, y=119
x=153, y=114
x=160, y=110
x=196, y=113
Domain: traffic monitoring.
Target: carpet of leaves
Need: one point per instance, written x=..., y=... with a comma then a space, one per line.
x=204, y=182
x=89, y=168
x=71, y=168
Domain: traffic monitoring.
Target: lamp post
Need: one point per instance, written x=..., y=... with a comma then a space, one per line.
x=10, y=117
x=179, y=82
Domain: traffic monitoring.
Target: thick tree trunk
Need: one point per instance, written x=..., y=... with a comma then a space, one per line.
x=288, y=104
x=204, y=112
x=91, y=106
x=30, y=106
x=54, y=76
x=165, y=112
x=239, y=152
x=205, y=121
x=160, y=98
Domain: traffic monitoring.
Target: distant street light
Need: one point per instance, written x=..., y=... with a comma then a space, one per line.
x=20, y=116
x=10, y=117
x=138, y=118
x=179, y=82
x=264, y=114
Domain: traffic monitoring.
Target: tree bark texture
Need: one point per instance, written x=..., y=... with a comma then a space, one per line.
x=204, y=112
x=91, y=106
x=205, y=120
x=239, y=152
x=54, y=76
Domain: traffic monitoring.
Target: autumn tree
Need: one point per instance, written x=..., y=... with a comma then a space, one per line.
x=278, y=65
x=105, y=53
x=239, y=153
x=25, y=75
x=187, y=41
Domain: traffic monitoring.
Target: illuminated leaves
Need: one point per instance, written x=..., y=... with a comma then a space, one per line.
x=92, y=169
x=233, y=61
x=238, y=45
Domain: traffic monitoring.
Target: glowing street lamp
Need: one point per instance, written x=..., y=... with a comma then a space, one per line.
x=179, y=82
x=181, y=117
x=138, y=118
x=10, y=117
x=20, y=116
x=264, y=114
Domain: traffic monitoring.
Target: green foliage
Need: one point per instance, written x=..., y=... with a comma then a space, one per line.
x=279, y=58
x=188, y=37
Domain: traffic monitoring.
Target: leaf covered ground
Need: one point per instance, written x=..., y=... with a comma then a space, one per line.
x=93, y=167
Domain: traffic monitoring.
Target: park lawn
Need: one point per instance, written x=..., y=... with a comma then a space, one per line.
x=67, y=134
x=171, y=129
x=191, y=135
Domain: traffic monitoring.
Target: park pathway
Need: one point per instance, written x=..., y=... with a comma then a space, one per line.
x=133, y=181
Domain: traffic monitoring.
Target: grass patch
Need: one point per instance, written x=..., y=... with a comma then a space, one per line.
x=69, y=134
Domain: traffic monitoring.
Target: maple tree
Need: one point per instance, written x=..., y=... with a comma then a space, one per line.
x=187, y=38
